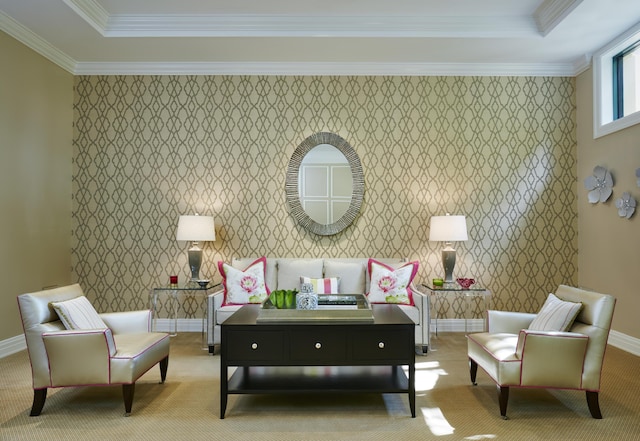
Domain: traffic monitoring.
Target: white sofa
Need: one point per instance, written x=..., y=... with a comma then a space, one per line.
x=284, y=273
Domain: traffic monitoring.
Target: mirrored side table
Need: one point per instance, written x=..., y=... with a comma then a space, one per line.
x=439, y=293
x=170, y=296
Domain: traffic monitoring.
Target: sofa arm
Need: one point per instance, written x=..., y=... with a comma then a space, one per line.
x=79, y=357
x=555, y=359
x=508, y=322
x=128, y=322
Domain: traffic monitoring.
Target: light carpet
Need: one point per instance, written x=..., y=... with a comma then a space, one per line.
x=448, y=407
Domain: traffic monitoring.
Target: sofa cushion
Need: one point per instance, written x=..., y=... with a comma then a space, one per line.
x=328, y=285
x=352, y=275
x=290, y=271
x=78, y=313
x=270, y=274
x=242, y=287
x=555, y=315
x=389, y=285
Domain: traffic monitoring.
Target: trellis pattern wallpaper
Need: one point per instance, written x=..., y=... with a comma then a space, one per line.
x=500, y=150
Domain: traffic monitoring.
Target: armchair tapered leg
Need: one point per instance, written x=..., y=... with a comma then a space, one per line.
x=164, y=364
x=503, y=399
x=473, y=371
x=594, y=405
x=39, y=397
x=127, y=392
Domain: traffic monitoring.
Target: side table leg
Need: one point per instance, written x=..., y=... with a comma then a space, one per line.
x=174, y=299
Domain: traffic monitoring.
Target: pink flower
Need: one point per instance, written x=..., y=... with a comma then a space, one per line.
x=249, y=283
x=387, y=283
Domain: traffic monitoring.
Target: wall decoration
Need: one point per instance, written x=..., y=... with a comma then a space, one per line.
x=600, y=185
x=626, y=205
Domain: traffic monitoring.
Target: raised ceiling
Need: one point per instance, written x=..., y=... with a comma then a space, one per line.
x=319, y=37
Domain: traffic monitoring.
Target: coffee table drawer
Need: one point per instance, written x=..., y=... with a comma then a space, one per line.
x=320, y=346
x=254, y=346
x=385, y=345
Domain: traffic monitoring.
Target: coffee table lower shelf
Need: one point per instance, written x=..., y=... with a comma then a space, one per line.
x=317, y=379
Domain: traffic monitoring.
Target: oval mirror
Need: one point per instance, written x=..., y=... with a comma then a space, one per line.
x=324, y=184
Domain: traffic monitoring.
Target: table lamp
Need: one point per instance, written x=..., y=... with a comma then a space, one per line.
x=448, y=229
x=195, y=229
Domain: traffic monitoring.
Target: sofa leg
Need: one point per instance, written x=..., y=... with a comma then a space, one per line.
x=425, y=349
x=594, y=405
x=503, y=399
x=127, y=393
x=39, y=397
x=164, y=364
x=473, y=371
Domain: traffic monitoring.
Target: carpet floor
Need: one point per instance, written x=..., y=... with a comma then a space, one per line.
x=448, y=407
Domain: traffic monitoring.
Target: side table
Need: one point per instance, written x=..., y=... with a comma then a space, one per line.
x=455, y=290
x=173, y=293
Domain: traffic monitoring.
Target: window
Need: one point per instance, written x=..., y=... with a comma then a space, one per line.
x=616, y=74
x=626, y=81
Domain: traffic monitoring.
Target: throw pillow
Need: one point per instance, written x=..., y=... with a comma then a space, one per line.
x=78, y=313
x=242, y=287
x=555, y=315
x=328, y=285
x=390, y=285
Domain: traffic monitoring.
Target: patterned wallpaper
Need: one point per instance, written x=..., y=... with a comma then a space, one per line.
x=500, y=150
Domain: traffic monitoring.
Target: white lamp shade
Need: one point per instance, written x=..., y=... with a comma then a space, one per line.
x=448, y=229
x=196, y=228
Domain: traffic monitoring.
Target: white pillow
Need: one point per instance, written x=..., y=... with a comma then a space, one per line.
x=329, y=285
x=242, y=287
x=555, y=315
x=389, y=285
x=78, y=313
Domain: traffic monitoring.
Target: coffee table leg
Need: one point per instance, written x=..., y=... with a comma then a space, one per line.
x=412, y=389
x=223, y=388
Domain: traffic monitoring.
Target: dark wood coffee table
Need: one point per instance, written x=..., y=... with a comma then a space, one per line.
x=276, y=358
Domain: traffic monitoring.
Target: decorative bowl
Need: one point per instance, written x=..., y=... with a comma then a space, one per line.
x=203, y=282
x=465, y=283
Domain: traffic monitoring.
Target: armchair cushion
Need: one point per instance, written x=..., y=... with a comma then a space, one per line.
x=329, y=285
x=78, y=313
x=389, y=285
x=555, y=315
x=242, y=287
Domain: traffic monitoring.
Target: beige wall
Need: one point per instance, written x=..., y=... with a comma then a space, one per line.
x=501, y=150
x=36, y=99
x=609, y=246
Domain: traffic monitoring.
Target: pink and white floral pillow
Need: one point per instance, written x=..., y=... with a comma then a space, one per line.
x=242, y=287
x=389, y=285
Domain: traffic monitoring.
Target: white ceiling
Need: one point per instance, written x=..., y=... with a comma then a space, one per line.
x=323, y=37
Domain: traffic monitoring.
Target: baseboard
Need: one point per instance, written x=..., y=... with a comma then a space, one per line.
x=617, y=339
x=624, y=342
x=12, y=345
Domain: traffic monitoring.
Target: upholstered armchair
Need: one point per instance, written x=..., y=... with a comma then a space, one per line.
x=518, y=352
x=87, y=348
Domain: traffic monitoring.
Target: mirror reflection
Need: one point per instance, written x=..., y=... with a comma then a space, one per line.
x=325, y=184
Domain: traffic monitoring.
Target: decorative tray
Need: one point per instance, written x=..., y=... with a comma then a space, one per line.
x=332, y=308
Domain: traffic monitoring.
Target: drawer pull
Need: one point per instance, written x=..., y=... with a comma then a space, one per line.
x=381, y=345
x=318, y=345
x=254, y=345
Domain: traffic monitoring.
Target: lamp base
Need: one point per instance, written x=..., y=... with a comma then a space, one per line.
x=448, y=262
x=195, y=260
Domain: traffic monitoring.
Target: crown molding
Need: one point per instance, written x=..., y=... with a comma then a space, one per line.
x=35, y=42
x=551, y=13
x=92, y=12
x=327, y=68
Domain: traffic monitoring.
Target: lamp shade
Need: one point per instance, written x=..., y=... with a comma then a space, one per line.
x=196, y=228
x=448, y=229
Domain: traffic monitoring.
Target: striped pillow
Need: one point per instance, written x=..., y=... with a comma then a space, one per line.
x=78, y=313
x=555, y=315
x=323, y=286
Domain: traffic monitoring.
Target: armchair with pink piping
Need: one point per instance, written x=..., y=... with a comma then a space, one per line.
x=514, y=356
x=117, y=354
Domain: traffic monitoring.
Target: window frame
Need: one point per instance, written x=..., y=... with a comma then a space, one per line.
x=603, y=85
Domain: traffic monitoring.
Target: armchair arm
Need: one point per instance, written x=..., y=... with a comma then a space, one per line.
x=508, y=321
x=551, y=359
x=79, y=357
x=128, y=322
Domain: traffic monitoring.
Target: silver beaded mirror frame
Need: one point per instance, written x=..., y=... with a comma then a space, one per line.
x=291, y=185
